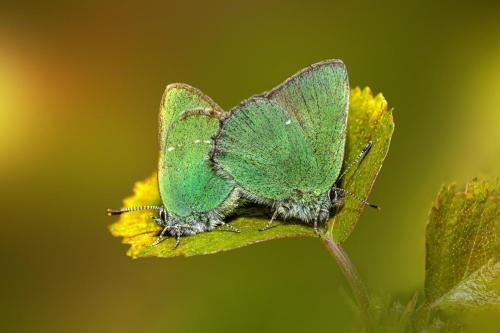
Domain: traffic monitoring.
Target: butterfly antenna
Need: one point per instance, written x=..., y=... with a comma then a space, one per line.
x=355, y=197
x=132, y=209
x=357, y=160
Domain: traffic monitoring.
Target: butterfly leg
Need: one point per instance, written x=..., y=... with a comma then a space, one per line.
x=315, y=226
x=177, y=240
x=316, y=221
x=160, y=237
x=232, y=228
x=270, y=222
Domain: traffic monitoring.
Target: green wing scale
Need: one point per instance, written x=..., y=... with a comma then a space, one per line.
x=260, y=143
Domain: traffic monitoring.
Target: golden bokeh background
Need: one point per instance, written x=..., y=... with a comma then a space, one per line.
x=80, y=86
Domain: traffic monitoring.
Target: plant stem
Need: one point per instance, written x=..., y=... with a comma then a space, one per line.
x=352, y=277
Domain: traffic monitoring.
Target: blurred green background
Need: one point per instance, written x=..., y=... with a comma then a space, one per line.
x=80, y=86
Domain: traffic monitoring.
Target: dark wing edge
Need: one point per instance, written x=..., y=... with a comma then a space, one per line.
x=325, y=63
x=194, y=91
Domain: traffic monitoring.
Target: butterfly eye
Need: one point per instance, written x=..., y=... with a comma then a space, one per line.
x=163, y=215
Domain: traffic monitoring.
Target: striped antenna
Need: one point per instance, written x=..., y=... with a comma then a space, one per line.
x=355, y=197
x=132, y=209
x=357, y=160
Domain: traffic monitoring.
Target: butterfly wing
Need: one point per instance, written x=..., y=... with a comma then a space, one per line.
x=318, y=97
x=291, y=138
x=187, y=183
x=177, y=99
x=264, y=150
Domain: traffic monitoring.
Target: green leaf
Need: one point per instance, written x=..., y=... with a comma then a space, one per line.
x=463, y=248
x=480, y=289
x=369, y=119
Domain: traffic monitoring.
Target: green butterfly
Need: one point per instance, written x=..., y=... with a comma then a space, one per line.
x=285, y=148
x=195, y=199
